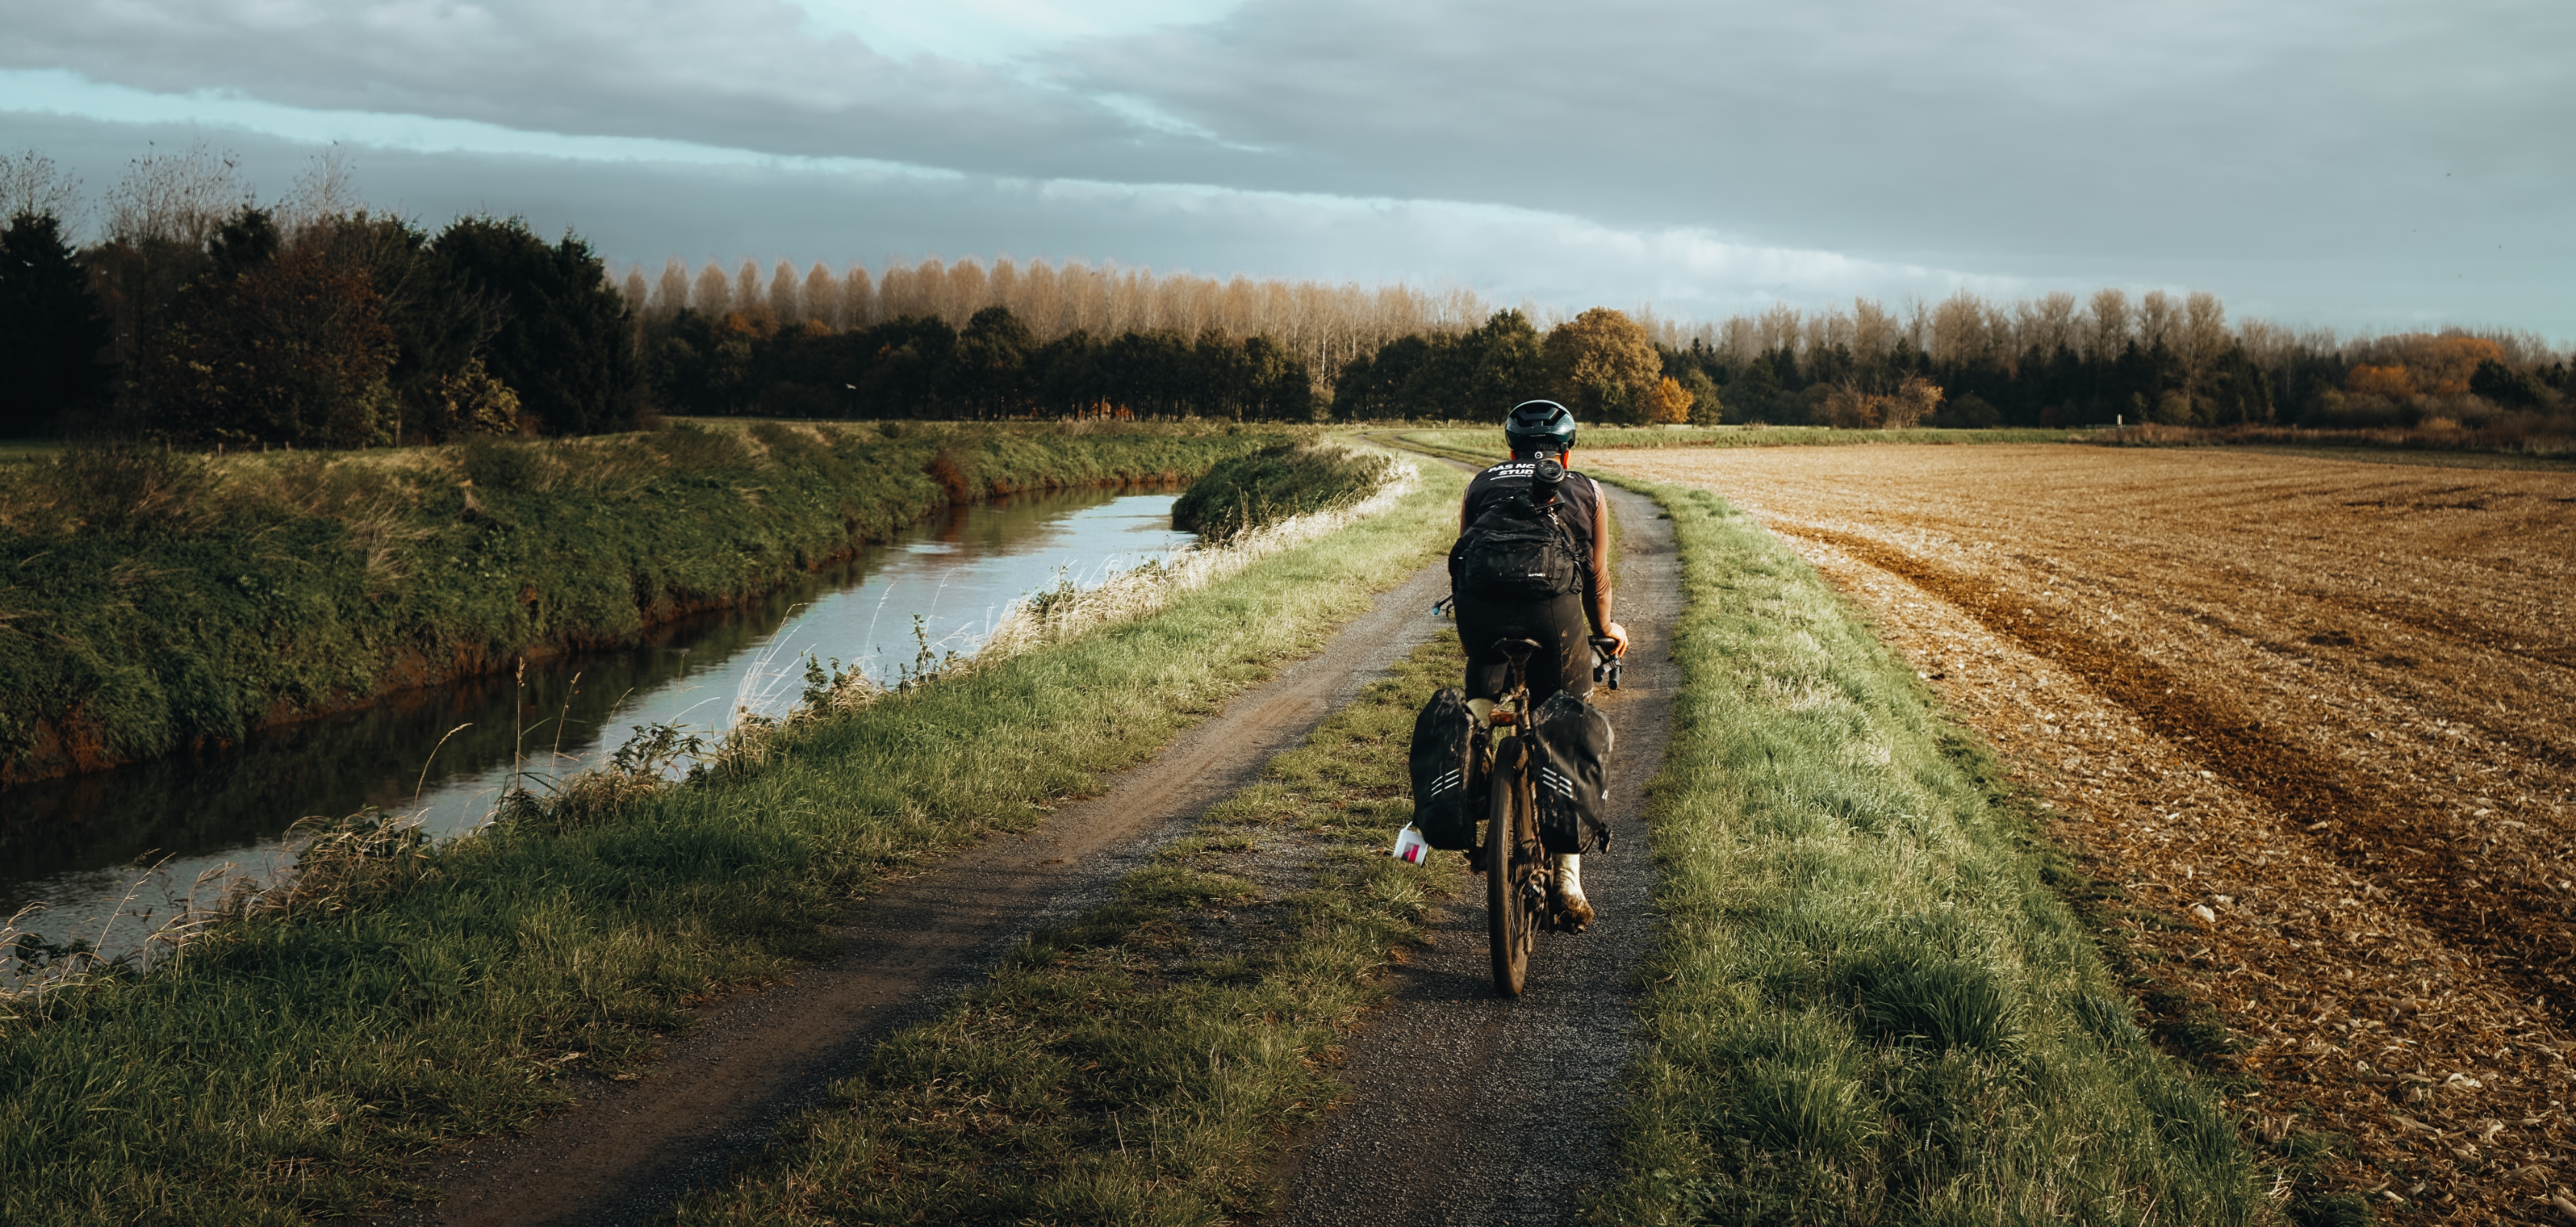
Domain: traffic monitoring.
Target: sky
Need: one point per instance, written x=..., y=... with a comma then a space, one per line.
x=2355, y=164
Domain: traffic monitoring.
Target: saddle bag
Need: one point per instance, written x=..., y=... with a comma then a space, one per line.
x=1516, y=550
x=1448, y=789
x=1570, y=777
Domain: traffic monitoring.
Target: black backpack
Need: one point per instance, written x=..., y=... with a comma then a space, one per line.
x=1516, y=550
x=1571, y=778
x=1448, y=780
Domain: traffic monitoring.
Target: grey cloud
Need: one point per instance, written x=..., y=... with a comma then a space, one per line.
x=2395, y=154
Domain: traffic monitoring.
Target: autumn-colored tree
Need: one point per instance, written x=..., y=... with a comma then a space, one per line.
x=2442, y=366
x=2366, y=379
x=1668, y=404
x=1603, y=366
x=1847, y=407
x=1914, y=402
x=713, y=294
x=822, y=297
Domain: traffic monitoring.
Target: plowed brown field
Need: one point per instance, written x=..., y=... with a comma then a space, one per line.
x=2311, y=717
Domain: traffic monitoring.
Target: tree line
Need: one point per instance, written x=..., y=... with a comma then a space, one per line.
x=201, y=315
x=2156, y=357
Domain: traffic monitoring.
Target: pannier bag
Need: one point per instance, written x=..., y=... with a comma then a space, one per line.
x=1448, y=793
x=1517, y=550
x=1569, y=778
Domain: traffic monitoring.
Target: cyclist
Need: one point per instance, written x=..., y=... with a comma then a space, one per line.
x=1537, y=429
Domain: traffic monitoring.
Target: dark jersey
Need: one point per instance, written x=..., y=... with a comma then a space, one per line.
x=1575, y=500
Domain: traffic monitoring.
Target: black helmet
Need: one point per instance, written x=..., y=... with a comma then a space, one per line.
x=1539, y=426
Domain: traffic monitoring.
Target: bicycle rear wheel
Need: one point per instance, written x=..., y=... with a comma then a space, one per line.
x=1507, y=918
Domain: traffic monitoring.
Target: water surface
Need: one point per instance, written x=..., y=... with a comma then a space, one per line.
x=77, y=846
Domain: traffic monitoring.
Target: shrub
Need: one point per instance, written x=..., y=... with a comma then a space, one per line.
x=1273, y=484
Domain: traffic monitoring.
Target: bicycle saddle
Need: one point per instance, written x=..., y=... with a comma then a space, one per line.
x=1516, y=650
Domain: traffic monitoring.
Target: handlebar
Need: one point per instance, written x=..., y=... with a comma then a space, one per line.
x=1605, y=661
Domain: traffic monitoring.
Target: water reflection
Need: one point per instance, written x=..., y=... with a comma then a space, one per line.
x=73, y=844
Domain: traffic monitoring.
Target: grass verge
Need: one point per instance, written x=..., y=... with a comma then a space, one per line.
x=290, y=1066
x=155, y=599
x=1867, y=1005
x=1145, y=1063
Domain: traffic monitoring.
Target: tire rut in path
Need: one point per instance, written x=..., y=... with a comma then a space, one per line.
x=626, y=1151
x=1469, y=1108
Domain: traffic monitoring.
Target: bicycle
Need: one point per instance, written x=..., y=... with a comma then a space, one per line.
x=1519, y=879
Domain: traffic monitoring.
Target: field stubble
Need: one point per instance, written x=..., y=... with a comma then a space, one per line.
x=2308, y=724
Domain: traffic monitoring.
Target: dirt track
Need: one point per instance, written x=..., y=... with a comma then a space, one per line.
x=2328, y=701
x=628, y=1150
x=1467, y=1108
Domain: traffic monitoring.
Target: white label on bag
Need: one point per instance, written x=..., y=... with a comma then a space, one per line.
x=1409, y=846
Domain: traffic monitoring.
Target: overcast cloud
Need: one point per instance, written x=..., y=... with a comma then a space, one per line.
x=2353, y=164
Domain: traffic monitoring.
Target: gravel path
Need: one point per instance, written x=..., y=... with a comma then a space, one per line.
x=628, y=1150
x=1468, y=1108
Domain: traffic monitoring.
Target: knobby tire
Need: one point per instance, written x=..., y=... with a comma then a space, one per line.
x=1506, y=920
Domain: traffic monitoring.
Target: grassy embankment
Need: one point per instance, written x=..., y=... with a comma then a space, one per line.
x=1866, y=1004
x=290, y=1063
x=153, y=599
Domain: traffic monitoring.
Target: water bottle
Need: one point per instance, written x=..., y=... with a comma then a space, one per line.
x=1409, y=846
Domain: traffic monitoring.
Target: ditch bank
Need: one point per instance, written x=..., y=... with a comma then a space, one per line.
x=298, y=1062
x=160, y=600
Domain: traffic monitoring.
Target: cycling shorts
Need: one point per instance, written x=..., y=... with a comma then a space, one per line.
x=1564, y=658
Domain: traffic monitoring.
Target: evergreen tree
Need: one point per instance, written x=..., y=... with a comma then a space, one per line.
x=563, y=334
x=52, y=336
x=273, y=346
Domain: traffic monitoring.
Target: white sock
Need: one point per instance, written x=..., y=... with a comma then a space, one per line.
x=1569, y=874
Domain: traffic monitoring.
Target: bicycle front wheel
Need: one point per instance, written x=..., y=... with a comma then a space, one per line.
x=1505, y=918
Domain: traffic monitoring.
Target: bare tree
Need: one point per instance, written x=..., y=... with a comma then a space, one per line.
x=2199, y=342
x=2158, y=316
x=746, y=285
x=177, y=198
x=31, y=183
x=325, y=189
x=2106, y=325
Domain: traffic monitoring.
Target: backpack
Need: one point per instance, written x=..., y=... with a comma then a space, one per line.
x=1516, y=550
x=1570, y=775
x=1448, y=782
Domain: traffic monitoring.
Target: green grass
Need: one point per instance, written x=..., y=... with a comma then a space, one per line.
x=1866, y=1005
x=291, y=1066
x=154, y=599
x=1146, y=1063
x=1274, y=484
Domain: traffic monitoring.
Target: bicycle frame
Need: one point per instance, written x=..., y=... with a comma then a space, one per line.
x=1514, y=861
